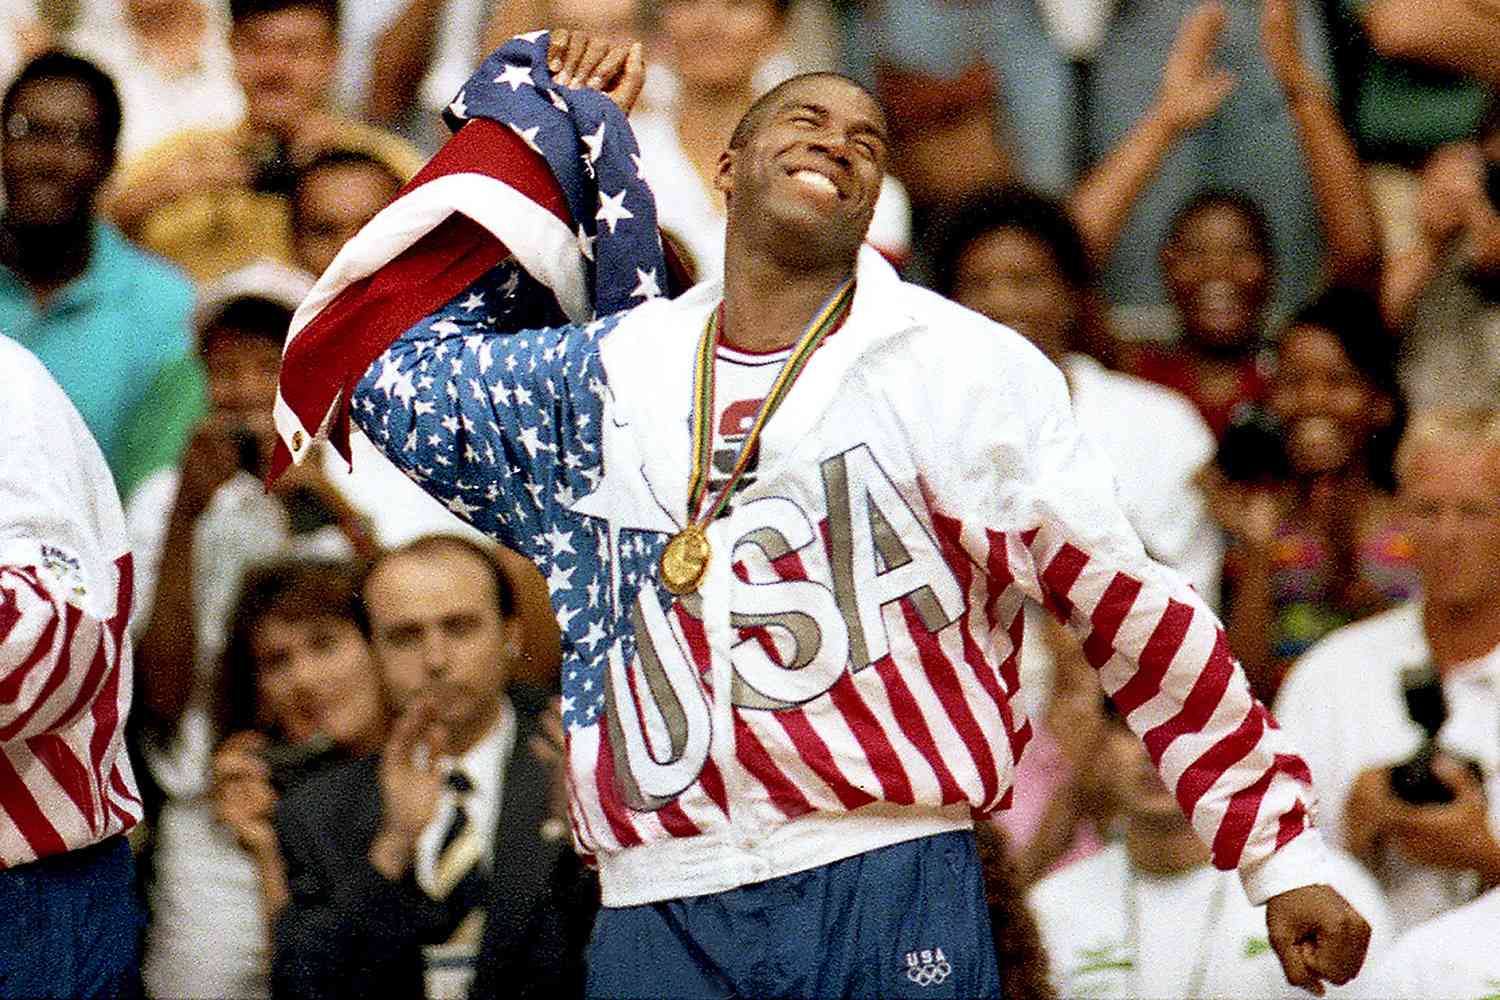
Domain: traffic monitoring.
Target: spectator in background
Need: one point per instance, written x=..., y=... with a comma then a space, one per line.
x=440, y=867
x=1443, y=289
x=715, y=48
x=1400, y=111
x=67, y=793
x=299, y=692
x=196, y=529
x=1316, y=541
x=1344, y=700
x=215, y=200
x=422, y=54
x=1220, y=251
x=1275, y=137
x=1150, y=917
x=72, y=290
x=170, y=59
x=333, y=196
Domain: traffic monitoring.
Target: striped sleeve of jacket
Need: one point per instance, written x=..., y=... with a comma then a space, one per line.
x=1161, y=655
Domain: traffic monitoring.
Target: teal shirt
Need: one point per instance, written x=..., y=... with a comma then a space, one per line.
x=106, y=336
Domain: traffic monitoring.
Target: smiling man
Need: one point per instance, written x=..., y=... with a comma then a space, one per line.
x=789, y=522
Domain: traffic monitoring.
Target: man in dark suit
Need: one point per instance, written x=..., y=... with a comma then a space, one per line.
x=441, y=867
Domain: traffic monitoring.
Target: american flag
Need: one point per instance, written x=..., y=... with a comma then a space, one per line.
x=552, y=170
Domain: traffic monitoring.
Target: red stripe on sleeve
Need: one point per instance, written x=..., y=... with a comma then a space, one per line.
x=997, y=570
x=1244, y=806
x=1058, y=578
x=1208, y=690
x=10, y=690
x=1210, y=767
x=1155, y=657
x=1119, y=597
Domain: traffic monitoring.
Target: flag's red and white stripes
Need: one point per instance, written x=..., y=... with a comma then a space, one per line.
x=937, y=720
x=484, y=191
x=64, y=688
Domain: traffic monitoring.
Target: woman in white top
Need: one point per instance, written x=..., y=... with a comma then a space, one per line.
x=717, y=50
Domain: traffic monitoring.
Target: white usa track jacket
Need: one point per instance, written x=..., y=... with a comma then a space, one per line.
x=846, y=677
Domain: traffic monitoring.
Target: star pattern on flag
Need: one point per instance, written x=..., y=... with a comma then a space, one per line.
x=516, y=76
x=612, y=209
x=647, y=287
x=496, y=407
x=534, y=401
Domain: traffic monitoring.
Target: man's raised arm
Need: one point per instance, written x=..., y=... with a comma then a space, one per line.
x=507, y=231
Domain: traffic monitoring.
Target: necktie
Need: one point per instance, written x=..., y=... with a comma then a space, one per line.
x=459, y=849
x=457, y=882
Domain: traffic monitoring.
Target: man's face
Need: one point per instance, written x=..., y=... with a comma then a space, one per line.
x=436, y=630
x=284, y=61
x=53, y=156
x=809, y=175
x=334, y=203
x=1450, y=494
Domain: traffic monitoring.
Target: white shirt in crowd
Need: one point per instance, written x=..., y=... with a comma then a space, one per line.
x=1452, y=956
x=1110, y=931
x=157, y=104
x=1344, y=707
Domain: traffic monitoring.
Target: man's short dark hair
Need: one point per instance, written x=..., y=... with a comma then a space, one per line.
x=753, y=118
x=58, y=65
x=505, y=591
x=239, y=10
x=1039, y=216
x=336, y=157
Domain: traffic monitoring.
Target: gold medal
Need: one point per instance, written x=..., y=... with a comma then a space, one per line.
x=685, y=560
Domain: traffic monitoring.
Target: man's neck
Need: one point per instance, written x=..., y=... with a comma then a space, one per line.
x=1457, y=633
x=768, y=305
x=46, y=258
x=1164, y=850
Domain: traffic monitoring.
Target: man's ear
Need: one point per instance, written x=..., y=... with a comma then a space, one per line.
x=724, y=178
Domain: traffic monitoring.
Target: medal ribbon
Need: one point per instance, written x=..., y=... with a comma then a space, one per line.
x=825, y=322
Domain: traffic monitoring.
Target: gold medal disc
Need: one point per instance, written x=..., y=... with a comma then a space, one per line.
x=685, y=560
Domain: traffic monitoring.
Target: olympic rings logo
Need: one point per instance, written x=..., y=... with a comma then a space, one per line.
x=928, y=968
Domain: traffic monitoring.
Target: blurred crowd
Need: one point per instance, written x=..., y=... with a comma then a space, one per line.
x=1261, y=239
